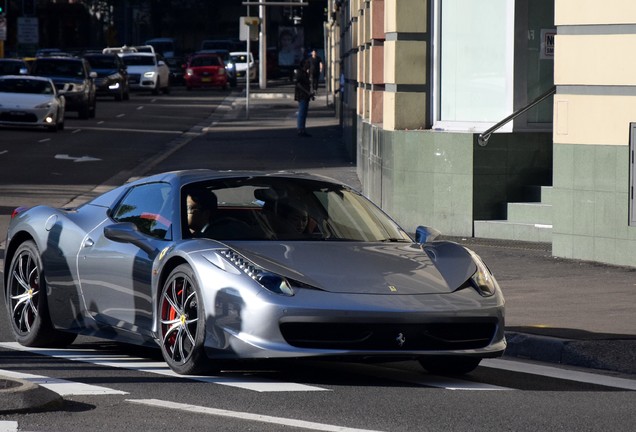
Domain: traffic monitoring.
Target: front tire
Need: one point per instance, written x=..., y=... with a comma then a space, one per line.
x=182, y=323
x=26, y=301
x=450, y=365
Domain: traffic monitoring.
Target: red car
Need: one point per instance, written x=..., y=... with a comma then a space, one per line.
x=205, y=70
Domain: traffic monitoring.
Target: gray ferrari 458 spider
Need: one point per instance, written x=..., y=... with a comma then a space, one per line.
x=215, y=266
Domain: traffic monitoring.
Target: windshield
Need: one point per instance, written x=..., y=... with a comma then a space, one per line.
x=61, y=68
x=239, y=58
x=31, y=86
x=11, y=67
x=205, y=61
x=137, y=60
x=102, y=62
x=264, y=208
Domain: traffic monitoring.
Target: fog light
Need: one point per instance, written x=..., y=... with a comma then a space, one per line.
x=48, y=119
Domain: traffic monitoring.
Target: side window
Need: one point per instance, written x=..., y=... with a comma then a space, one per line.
x=149, y=207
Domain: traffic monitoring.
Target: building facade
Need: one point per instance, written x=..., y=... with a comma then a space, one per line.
x=421, y=81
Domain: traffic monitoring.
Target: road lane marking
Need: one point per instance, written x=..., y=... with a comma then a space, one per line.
x=565, y=374
x=8, y=426
x=247, y=416
x=61, y=386
x=146, y=131
x=161, y=368
x=77, y=158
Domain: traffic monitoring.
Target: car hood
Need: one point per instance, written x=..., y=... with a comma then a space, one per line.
x=361, y=268
x=22, y=100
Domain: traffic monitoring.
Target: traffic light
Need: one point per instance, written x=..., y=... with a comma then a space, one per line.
x=3, y=7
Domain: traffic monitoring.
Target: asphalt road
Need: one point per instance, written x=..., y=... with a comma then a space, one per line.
x=113, y=387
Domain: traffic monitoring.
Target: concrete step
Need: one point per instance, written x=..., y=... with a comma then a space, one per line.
x=505, y=230
x=530, y=213
x=542, y=194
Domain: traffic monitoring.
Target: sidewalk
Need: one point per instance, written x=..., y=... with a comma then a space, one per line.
x=559, y=311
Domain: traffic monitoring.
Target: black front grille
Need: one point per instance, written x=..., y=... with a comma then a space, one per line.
x=18, y=116
x=390, y=336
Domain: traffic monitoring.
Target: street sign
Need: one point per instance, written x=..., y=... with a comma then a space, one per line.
x=28, y=30
x=249, y=28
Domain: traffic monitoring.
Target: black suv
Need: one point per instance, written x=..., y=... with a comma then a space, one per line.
x=73, y=78
x=112, y=76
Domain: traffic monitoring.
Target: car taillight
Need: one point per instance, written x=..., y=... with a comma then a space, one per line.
x=17, y=211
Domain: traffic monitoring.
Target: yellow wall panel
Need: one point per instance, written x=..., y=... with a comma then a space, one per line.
x=596, y=120
x=582, y=12
x=595, y=59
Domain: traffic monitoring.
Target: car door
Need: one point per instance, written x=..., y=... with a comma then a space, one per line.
x=116, y=277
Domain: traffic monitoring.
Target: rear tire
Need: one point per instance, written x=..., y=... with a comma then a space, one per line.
x=26, y=301
x=450, y=365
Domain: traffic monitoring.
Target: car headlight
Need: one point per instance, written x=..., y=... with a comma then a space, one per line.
x=482, y=281
x=230, y=66
x=44, y=105
x=270, y=281
x=149, y=74
x=75, y=88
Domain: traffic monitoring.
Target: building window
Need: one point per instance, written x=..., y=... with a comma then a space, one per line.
x=473, y=63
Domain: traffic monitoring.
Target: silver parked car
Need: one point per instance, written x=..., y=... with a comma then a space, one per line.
x=212, y=266
x=30, y=101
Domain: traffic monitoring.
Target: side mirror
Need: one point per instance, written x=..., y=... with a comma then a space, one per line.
x=424, y=234
x=127, y=232
x=93, y=74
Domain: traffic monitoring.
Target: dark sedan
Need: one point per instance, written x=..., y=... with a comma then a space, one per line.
x=112, y=75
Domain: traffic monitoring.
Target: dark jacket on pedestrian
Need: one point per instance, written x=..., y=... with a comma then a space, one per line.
x=303, y=86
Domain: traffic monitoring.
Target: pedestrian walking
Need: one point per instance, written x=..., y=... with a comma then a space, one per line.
x=303, y=94
x=315, y=69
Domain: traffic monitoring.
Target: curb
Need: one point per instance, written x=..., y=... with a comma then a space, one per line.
x=17, y=395
x=616, y=355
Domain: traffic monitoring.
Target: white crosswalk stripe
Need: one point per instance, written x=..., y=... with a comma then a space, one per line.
x=158, y=367
x=61, y=386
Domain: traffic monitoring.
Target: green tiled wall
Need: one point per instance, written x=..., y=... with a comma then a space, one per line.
x=419, y=177
x=446, y=180
x=591, y=201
